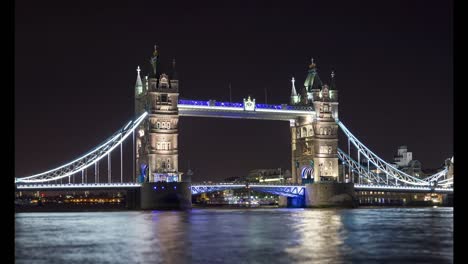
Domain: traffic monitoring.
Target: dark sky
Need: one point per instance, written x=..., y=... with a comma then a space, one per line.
x=75, y=71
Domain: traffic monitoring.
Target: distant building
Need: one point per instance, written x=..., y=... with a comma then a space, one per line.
x=269, y=175
x=404, y=162
x=403, y=157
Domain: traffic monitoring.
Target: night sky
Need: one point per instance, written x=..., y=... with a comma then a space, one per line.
x=75, y=71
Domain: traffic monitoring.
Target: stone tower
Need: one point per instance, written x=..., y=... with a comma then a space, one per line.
x=326, y=135
x=157, y=139
x=314, y=139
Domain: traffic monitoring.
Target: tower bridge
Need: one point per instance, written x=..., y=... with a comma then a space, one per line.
x=312, y=114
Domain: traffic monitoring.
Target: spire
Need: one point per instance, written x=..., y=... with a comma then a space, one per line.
x=332, y=83
x=174, y=72
x=154, y=60
x=312, y=64
x=293, y=89
x=139, y=84
x=313, y=80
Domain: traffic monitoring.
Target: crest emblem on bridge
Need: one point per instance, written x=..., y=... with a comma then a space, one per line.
x=249, y=104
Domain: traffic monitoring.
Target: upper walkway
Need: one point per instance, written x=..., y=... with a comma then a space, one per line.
x=213, y=108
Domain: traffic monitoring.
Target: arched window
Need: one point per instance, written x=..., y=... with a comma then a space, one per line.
x=329, y=131
x=304, y=132
x=168, y=125
x=168, y=163
x=158, y=145
x=321, y=131
x=329, y=149
x=158, y=125
x=168, y=145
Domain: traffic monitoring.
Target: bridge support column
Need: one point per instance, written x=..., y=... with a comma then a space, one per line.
x=165, y=195
x=447, y=199
x=330, y=194
x=291, y=202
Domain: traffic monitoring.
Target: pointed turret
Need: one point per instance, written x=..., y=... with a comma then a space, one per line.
x=293, y=90
x=313, y=80
x=333, y=90
x=174, y=72
x=294, y=95
x=138, y=84
x=154, y=61
x=312, y=83
x=174, y=79
x=332, y=82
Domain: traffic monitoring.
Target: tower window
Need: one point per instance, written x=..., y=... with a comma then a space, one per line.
x=164, y=98
x=158, y=125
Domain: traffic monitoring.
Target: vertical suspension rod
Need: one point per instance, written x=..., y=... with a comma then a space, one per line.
x=95, y=172
x=349, y=167
x=109, y=168
x=121, y=163
x=133, y=160
x=359, y=164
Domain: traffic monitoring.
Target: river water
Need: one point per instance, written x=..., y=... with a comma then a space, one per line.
x=363, y=235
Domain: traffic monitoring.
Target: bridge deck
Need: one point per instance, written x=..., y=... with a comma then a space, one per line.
x=283, y=189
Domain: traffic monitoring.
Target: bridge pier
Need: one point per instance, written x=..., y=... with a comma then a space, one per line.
x=330, y=194
x=165, y=195
x=447, y=199
x=291, y=202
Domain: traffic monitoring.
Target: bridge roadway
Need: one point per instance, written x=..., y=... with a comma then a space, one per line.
x=197, y=188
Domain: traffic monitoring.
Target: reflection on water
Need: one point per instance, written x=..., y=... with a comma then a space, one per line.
x=389, y=235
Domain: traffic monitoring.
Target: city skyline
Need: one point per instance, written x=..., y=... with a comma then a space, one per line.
x=75, y=89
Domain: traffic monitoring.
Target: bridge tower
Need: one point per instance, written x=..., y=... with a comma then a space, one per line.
x=314, y=139
x=326, y=134
x=158, y=158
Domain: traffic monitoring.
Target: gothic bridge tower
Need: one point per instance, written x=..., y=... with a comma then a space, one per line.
x=156, y=145
x=314, y=139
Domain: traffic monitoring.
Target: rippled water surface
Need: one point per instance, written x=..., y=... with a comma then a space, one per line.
x=364, y=235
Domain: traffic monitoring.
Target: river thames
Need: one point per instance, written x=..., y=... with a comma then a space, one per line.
x=363, y=235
